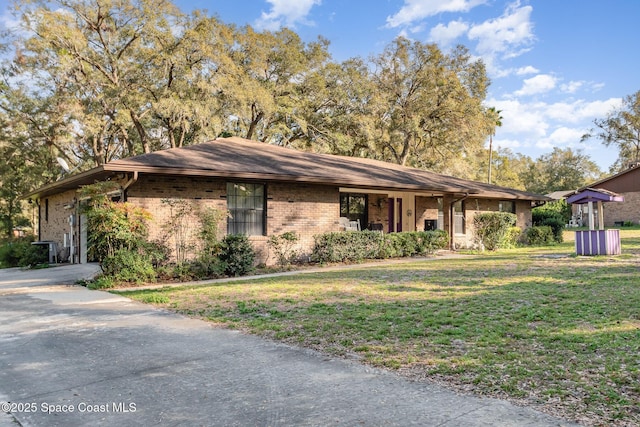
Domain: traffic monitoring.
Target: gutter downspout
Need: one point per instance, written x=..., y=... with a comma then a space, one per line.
x=451, y=216
x=128, y=184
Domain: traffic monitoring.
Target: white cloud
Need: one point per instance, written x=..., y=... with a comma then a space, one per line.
x=539, y=84
x=507, y=34
x=519, y=118
x=561, y=137
x=446, y=34
x=526, y=70
x=574, y=112
x=600, y=109
x=507, y=143
x=416, y=10
x=285, y=13
x=535, y=127
x=572, y=86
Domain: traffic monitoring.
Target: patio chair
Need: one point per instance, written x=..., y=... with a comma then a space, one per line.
x=344, y=222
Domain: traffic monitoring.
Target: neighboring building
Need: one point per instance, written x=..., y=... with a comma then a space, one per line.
x=626, y=184
x=269, y=190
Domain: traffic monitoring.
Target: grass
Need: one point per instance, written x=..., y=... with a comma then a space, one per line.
x=536, y=325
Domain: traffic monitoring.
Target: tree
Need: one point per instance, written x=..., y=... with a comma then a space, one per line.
x=262, y=97
x=560, y=170
x=123, y=77
x=338, y=113
x=495, y=120
x=427, y=105
x=621, y=129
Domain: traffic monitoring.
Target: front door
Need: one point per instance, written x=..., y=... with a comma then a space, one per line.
x=400, y=214
x=401, y=206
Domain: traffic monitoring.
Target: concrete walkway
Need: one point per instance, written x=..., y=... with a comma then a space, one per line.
x=74, y=357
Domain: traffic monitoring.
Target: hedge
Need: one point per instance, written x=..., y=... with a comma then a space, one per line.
x=355, y=246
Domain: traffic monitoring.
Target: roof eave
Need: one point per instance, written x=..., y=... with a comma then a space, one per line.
x=68, y=183
x=101, y=172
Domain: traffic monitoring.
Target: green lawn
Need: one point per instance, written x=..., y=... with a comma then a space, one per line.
x=539, y=326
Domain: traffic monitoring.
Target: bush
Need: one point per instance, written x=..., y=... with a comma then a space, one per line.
x=11, y=253
x=558, y=209
x=356, y=246
x=237, y=254
x=127, y=265
x=34, y=255
x=114, y=226
x=345, y=246
x=554, y=219
x=21, y=253
x=539, y=235
x=557, y=227
x=512, y=238
x=205, y=268
x=102, y=282
x=492, y=227
x=284, y=247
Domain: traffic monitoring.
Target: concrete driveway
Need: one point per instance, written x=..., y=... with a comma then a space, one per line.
x=74, y=357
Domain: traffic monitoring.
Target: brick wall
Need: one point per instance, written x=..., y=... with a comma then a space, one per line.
x=629, y=210
x=426, y=208
x=54, y=217
x=305, y=209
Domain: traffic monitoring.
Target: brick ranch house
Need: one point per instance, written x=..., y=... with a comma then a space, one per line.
x=270, y=190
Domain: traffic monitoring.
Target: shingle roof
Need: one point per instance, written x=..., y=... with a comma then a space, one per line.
x=239, y=158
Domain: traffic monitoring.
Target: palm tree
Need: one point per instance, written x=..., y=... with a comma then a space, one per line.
x=495, y=120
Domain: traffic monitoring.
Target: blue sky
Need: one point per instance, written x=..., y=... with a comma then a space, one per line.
x=554, y=65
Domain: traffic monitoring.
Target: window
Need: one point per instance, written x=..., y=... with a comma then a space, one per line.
x=507, y=206
x=440, y=214
x=246, y=205
x=458, y=217
x=354, y=207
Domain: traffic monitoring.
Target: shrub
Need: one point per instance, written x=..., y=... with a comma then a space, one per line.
x=355, y=246
x=158, y=252
x=21, y=253
x=34, y=255
x=492, y=227
x=206, y=268
x=237, y=254
x=557, y=226
x=552, y=218
x=102, y=282
x=345, y=246
x=127, y=265
x=558, y=209
x=539, y=235
x=114, y=226
x=512, y=238
x=284, y=247
x=433, y=240
x=11, y=253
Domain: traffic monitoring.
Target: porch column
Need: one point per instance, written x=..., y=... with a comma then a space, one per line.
x=592, y=225
x=600, y=215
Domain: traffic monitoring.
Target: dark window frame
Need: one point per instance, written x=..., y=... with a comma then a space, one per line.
x=242, y=206
x=513, y=206
x=346, y=208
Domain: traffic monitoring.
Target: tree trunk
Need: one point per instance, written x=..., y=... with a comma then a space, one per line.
x=144, y=140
